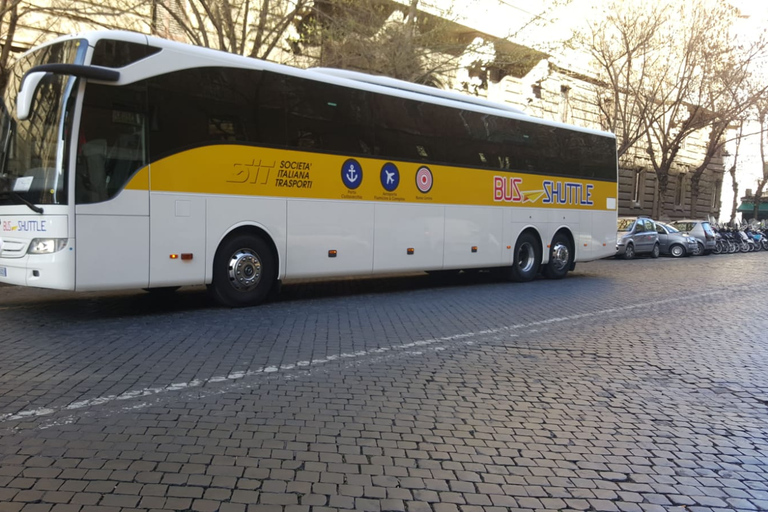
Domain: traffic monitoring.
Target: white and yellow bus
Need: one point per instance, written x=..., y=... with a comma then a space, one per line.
x=134, y=162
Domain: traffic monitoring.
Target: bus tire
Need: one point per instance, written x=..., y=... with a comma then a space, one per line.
x=244, y=271
x=560, y=257
x=527, y=259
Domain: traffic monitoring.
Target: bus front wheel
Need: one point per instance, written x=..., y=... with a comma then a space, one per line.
x=244, y=271
x=527, y=259
x=560, y=257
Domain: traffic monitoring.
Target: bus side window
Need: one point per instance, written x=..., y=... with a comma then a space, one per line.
x=205, y=106
x=267, y=122
x=397, y=129
x=112, y=145
x=91, y=177
x=327, y=117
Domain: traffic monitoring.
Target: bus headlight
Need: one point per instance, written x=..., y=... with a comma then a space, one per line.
x=46, y=245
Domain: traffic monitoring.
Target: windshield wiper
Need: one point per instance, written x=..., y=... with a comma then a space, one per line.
x=7, y=191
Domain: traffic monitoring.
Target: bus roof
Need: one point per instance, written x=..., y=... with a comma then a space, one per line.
x=354, y=79
x=413, y=87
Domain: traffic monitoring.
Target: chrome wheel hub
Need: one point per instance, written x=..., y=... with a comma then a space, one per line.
x=244, y=270
x=526, y=257
x=561, y=256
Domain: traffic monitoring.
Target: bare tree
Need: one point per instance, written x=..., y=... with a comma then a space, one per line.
x=9, y=19
x=735, y=92
x=670, y=70
x=732, y=172
x=622, y=46
x=382, y=37
x=762, y=118
x=255, y=28
x=25, y=23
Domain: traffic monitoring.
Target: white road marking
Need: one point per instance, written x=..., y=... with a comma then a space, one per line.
x=152, y=391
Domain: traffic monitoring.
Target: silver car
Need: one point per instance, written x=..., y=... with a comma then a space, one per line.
x=675, y=243
x=701, y=230
x=636, y=235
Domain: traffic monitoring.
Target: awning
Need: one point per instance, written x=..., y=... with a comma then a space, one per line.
x=750, y=207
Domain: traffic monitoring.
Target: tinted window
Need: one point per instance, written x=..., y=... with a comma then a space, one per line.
x=327, y=117
x=197, y=107
x=222, y=105
x=412, y=130
x=112, y=140
x=397, y=129
x=116, y=54
x=466, y=140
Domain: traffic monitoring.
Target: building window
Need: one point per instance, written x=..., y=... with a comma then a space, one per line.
x=680, y=191
x=717, y=190
x=637, y=189
x=565, y=103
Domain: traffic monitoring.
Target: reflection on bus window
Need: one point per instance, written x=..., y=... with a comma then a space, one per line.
x=112, y=142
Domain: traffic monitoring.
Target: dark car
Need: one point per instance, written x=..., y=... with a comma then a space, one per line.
x=675, y=243
x=636, y=235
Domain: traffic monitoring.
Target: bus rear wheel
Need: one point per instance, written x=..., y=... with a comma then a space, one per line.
x=244, y=271
x=527, y=259
x=560, y=257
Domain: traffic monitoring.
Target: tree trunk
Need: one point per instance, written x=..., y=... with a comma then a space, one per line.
x=761, y=183
x=732, y=172
x=662, y=184
x=412, y=18
x=735, y=205
x=695, y=184
x=10, y=35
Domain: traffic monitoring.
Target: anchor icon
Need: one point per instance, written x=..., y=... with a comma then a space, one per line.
x=352, y=174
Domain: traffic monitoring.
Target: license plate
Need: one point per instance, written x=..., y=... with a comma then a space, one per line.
x=3, y=272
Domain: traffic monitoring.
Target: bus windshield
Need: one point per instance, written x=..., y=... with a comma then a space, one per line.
x=31, y=151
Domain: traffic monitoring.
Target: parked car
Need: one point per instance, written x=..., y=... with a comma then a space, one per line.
x=701, y=230
x=675, y=243
x=636, y=235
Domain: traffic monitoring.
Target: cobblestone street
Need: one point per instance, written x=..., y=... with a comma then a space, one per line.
x=628, y=386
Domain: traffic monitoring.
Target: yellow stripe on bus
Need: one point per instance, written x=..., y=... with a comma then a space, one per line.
x=251, y=171
x=140, y=180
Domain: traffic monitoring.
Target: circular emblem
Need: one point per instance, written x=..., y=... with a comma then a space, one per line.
x=390, y=177
x=352, y=173
x=424, y=179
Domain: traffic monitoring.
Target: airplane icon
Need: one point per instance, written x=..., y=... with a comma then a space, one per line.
x=390, y=177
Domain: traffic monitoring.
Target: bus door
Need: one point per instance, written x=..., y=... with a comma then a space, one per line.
x=111, y=183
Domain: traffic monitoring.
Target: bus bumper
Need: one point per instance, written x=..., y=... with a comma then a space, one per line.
x=55, y=271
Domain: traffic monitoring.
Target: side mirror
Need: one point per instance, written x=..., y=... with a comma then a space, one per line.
x=27, y=93
x=31, y=81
